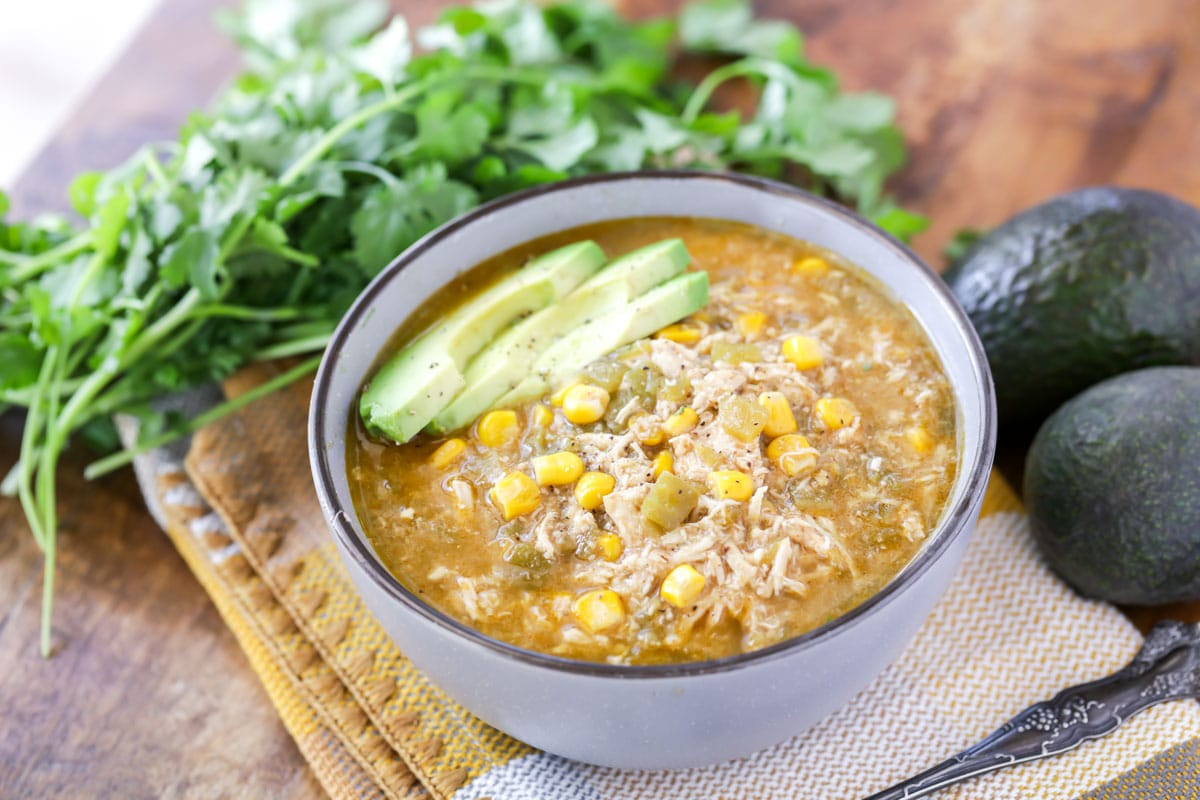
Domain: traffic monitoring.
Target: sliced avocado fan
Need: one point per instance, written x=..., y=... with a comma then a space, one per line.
x=504, y=364
x=595, y=338
x=420, y=380
x=531, y=330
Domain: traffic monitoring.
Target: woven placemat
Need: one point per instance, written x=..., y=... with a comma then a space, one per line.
x=241, y=509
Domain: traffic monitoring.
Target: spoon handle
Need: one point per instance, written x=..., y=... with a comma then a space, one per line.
x=1166, y=668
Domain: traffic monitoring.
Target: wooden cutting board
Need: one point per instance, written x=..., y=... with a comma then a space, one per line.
x=1005, y=102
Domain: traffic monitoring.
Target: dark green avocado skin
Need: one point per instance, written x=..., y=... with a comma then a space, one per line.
x=1112, y=486
x=1085, y=286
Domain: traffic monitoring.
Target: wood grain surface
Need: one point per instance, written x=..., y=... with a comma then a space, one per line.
x=148, y=694
x=1005, y=102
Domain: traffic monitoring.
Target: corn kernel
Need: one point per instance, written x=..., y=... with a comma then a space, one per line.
x=751, y=323
x=803, y=351
x=920, y=439
x=556, y=399
x=780, y=419
x=592, y=487
x=683, y=334
x=600, y=609
x=730, y=484
x=584, y=404
x=810, y=266
x=663, y=462
x=835, y=413
x=516, y=494
x=610, y=545
x=542, y=416
x=447, y=453
x=498, y=428
x=793, y=454
x=557, y=469
x=646, y=429
x=682, y=585
x=681, y=421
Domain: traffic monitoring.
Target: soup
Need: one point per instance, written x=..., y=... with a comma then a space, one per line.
x=734, y=480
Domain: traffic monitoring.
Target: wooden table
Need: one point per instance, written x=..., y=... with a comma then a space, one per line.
x=1005, y=102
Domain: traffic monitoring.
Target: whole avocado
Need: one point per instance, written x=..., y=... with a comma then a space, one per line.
x=1080, y=288
x=1112, y=485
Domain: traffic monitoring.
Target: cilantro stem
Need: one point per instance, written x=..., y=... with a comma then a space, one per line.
x=249, y=313
x=40, y=500
x=162, y=327
x=52, y=448
x=331, y=136
x=289, y=253
x=368, y=169
x=155, y=170
x=29, y=447
x=79, y=356
x=294, y=255
x=169, y=341
x=59, y=424
x=117, y=460
x=35, y=265
x=738, y=69
x=27, y=396
x=396, y=101
x=232, y=237
x=49, y=559
x=114, y=399
x=292, y=348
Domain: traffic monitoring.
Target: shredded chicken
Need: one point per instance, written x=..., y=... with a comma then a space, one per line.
x=624, y=508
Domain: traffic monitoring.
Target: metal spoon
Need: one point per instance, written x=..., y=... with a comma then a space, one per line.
x=1166, y=668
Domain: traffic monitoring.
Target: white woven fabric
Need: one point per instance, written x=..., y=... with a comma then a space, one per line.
x=1008, y=633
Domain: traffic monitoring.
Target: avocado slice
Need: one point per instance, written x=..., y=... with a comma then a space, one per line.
x=1080, y=288
x=417, y=382
x=657, y=308
x=500, y=367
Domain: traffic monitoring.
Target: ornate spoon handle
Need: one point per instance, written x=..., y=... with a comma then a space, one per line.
x=1166, y=668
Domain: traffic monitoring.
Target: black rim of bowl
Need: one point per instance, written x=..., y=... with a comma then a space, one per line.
x=951, y=526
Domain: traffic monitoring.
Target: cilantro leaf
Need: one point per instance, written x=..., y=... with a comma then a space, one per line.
x=448, y=129
x=22, y=361
x=729, y=27
x=385, y=54
x=396, y=213
x=563, y=149
x=192, y=260
x=250, y=235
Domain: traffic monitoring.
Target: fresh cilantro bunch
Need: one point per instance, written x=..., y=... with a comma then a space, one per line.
x=248, y=237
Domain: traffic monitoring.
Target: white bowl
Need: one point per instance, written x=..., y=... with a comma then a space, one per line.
x=665, y=716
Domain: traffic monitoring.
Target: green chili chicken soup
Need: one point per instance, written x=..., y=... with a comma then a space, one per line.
x=653, y=441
